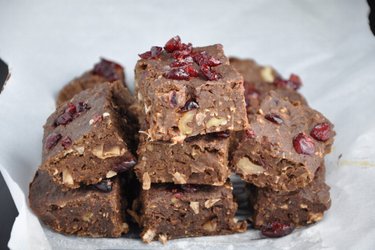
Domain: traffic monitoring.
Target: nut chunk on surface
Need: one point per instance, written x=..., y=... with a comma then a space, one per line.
x=174, y=211
x=103, y=71
x=281, y=149
x=91, y=137
x=188, y=91
x=296, y=208
x=93, y=211
x=198, y=160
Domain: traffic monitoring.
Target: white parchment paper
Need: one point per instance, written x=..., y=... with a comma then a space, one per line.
x=328, y=43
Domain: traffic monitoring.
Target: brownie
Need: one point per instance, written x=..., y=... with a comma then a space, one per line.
x=103, y=71
x=284, y=146
x=298, y=208
x=93, y=211
x=91, y=137
x=198, y=160
x=260, y=80
x=202, y=96
x=170, y=211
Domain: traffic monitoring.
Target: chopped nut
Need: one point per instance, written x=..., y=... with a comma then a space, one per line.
x=105, y=114
x=87, y=216
x=199, y=118
x=284, y=206
x=186, y=118
x=149, y=235
x=303, y=206
x=140, y=97
x=125, y=227
x=267, y=74
x=80, y=149
x=210, y=226
x=146, y=181
x=113, y=151
x=215, y=122
x=209, y=203
x=247, y=167
x=179, y=178
x=163, y=238
x=69, y=151
x=149, y=147
x=110, y=174
x=314, y=217
x=195, y=206
x=67, y=177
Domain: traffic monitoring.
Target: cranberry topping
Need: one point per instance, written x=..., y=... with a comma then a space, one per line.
x=189, y=105
x=209, y=73
x=104, y=185
x=249, y=133
x=274, y=118
x=177, y=74
x=184, y=51
x=202, y=58
x=153, y=53
x=303, y=144
x=321, y=131
x=182, y=62
x=173, y=44
x=124, y=166
x=71, y=111
x=191, y=71
x=277, y=229
x=66, y=142
x=294, y=82
x=64, y=119
x=51, y=140
x=107, y=69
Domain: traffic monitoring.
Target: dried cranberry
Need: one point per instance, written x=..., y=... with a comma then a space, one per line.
x=104, y=185
x=177, y=74
x=321, y=131
x=274, y=118
x=191, y=71
x=71, y=109
x=202, y=58
x=188, y=188
x=303, y=144
x=277, y=229
x=209, y=73
x=63, y=119
x=190, y=105
x=96, y=119
x=184, y=51
x=153, y=53
x=249, y=133
x=52, y=140
x=173, y=44
x=173, y=99
x=107, y=69
x=294, y=82
x=182, y=62
x=66, y=142
x=178, y=195
x=124, y=166
x=145, y=55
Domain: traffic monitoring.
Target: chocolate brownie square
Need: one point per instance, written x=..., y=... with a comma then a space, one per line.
x=93, y=211
x=170, y=211
x=91, y=137
x=297, y=208
x=103, y=71
x=188, y=91
x=284, y=146
x=198, y=160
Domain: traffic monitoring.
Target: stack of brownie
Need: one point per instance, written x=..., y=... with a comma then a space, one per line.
x=281, y=156
x=88, y=143
x=191, y=100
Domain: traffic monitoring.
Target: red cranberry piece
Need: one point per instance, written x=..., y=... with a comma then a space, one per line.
x=124, y=166
x=184, y=51
x=177, y=74
x=274, y=118
x=295, y=81
x=303, y=144
x=63, y=119
x=249, y=133
x=66, y=142
x=277, y=229
x=188, y=188
x=190, y=105
x=182, y=62
x=107, y=69
x=209, y=73
x=104, y=185
x=191, y=71
x=96, y=119
x=202, y=58
x=145, y=55
x=178, y=195
x=52, y=140
x=173, y=44
x=321, y=131
x=173, y=99
x=156, y=51
x=71, y=109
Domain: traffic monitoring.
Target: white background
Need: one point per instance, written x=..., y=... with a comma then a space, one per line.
x=328, y=43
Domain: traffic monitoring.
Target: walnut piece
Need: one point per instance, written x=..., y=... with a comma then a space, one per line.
x=186, y=118
x=146, y=181
x=110, y=174
x=314, y=217
x=87, y=216
x=67, y=177
x=209, y=203
x=267, y=74
x=113, y=151
x=179, y=178
x=163, y=238
x=210, y=226
x=195, y=206
x=247, y=167
x=215, y=122
x=149, y=235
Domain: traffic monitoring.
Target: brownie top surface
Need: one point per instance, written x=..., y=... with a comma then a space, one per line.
x=77, y=118
x=155, y=69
